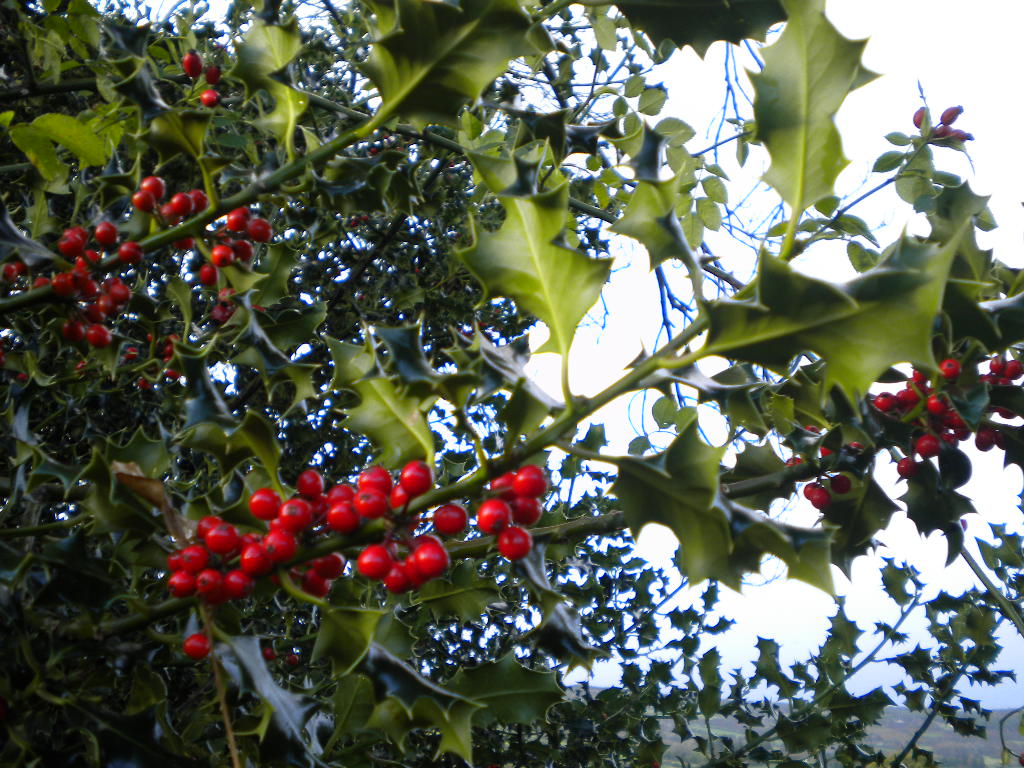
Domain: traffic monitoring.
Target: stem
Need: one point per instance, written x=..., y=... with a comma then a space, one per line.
x=222, y=693
x=1006, y=608
x=14, y=533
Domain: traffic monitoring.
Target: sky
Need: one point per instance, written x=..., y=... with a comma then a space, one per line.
x=956, y=58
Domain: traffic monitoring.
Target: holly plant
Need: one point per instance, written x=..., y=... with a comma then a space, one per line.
x=278, y=489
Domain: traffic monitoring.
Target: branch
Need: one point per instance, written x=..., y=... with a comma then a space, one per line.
x=1006, y=608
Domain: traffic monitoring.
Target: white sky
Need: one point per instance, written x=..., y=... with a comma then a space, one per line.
x=959, y=57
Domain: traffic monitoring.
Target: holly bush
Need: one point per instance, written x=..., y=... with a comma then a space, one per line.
x=278, y=488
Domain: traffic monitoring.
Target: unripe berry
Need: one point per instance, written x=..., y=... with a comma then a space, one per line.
x=209, y=98
x=374, y=562
x=342, y=517
x=192, y=64
x=950, y=114
x=515, y=543
x=530, y=481
x=196, y=646
x=310, y=484
x=280, y=546
x=155, y=186
x=264, y=504
x=254, y=560
x=942, y=132
x=927, y=446
x=919, y=117
x=450, y=519
x=493, y=515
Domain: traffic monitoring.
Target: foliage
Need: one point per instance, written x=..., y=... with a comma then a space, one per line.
x=413, y=159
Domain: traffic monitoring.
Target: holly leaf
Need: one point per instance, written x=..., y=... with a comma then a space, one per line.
x=430, y=58
x=510, y=692
x=848, y=326
x=73, y=135
x=758, y=461
x=12, y=241
x=699, y=23
x=527, y=260
x=807, y=74
x=344, y=637
x=463, y=594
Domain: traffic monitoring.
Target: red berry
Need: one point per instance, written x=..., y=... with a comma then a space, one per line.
x=292, y=659
x=41, y=282
x=196, y=646
x=192, y=64
x=515, y=543
x=1014, y=370
x=222, y=255
x=259, y=230
x=155, y=186
x=242, y=250
x=73, y=330
x=397, y=579
x=238, y=584
x=374, y=562
x=908, y=398
x=329, y=566
x=182, y=204
x=927, y=446
x=208, y=581
x=264, y=504
x=98, y=336
x=906, y=468
x=818, y=495
x=254, y=560
x=985, y=440
x=222, y=539
x=181, y=584
x=206, y=525
x=493, y=515
x=268, y=653
x=919, y=117
x=174, y=561
x=450, y=519
x=237, y=219
x=310, y=484
x=280, y=546
x=72, y=242
x=143, y=201
x=209, y=98
x=199, y=200
x=431, y=559
x=105, y=233
x=94, y=313
x=342, y=517
x=502, y=486
x=949, y=368
x=530, y=481
x=416, y=478
x=840, y=484
x=213, y=74
x=64, y=284
x=296, y=515
x=119, y=292
x=370, y=504
x=129, y=252
x=315, y=584
x=340, y=492
x=950, y=114
x=374, y=478
x=208, y=274
x=399, y=498
x=526, y=510
x=936, y=405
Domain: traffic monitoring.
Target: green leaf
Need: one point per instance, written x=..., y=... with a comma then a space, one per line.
x=699, y=23
x=74, y=135
x=510, y=692
x=758, y=461
x=709, y=698
x=848, y=326
x=430, y=58
x=526, y=260
x=651, y=220
x=463, y=594
x=344, y=637
x=174, y=132
x=265, y=50
x=807, y=74
x=39, y=150
x=888, y=161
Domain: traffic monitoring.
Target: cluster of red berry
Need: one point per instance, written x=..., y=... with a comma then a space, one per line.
x=223, y=564
x=839, y=484
x=243, y=224
x=943, y=129
x=192, y=64
x=929, y=408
